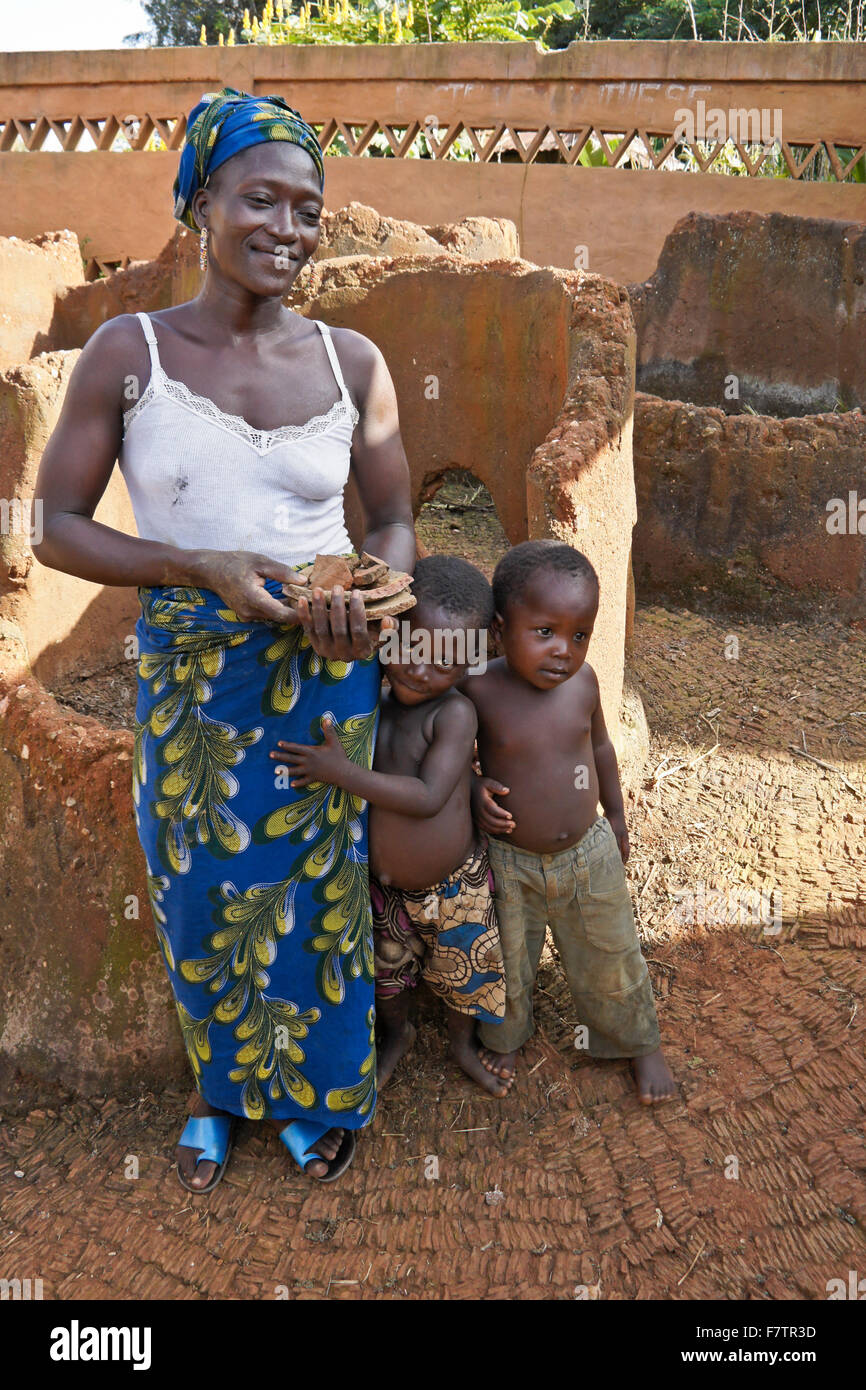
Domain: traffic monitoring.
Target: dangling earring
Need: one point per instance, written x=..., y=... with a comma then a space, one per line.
x=202, y=249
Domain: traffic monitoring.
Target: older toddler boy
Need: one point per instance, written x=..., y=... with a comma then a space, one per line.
x=542, y=741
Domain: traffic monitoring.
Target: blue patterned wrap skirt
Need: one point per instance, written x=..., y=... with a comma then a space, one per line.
x=259, y=891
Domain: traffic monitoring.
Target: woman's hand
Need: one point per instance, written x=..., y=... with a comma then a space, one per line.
x=238, y=577
x=338, y=634
x=488, y=815
x=314, y=762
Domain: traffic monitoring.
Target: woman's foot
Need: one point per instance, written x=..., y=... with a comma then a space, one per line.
x=466, y=1053
x=197, y=1174
x=653, y=1078
x=502, y=1064
x=327, y=1146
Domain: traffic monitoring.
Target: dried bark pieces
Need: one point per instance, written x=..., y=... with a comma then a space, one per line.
x=385, y=591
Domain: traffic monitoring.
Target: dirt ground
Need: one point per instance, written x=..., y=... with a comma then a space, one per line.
x=749, y=1185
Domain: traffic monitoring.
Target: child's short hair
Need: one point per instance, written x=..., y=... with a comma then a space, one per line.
x=519, y=566
x=455, y=586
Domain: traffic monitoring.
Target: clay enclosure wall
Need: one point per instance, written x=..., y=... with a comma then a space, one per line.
x=750, y=436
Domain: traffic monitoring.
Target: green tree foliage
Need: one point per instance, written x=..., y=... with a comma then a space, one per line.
x=731, y=20
x=179, y=22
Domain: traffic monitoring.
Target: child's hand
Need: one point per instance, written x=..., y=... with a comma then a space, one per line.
x=319, y=762
x=488, y=815
x=618, y=826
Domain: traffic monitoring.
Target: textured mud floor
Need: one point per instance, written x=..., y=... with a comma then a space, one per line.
x=749, y=1185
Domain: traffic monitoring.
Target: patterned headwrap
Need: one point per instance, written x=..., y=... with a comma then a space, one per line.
x=224, y=123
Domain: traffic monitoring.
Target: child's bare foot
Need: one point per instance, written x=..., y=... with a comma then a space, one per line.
x=394, y=1045
x=467, y=1054
x=197, y=1174
x=653, y=1077
x=503, y=1064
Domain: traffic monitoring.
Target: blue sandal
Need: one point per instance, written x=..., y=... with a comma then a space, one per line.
x=214, y=1135
x=299, y=1137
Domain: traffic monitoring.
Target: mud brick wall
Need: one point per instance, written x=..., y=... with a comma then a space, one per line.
x=61, y=623
x=34, y=276
x=739, y=503
x=776, y=302
x=580, y=483
x=116, y=197
x=83, y=994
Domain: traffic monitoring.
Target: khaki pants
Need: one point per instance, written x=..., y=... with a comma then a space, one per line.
x=582, y=894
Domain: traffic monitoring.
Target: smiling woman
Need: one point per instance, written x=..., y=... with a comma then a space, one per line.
x=236, y=455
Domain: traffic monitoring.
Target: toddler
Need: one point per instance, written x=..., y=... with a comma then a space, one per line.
x=430, y=882
x=543, y=743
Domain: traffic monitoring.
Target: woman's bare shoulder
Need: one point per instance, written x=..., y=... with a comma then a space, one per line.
x=122, y=335
x=359, y=358
x=127, y=330
x=354, y=347
x=114, y=352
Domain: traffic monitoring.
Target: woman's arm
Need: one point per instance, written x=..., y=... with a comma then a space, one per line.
x=380, y=468
x=74, y=473
x=75, y=470
x=381, y=474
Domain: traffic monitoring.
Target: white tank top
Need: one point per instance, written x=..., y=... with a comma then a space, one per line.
x=199, y=478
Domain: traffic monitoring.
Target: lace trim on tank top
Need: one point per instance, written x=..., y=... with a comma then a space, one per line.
x=260, y=440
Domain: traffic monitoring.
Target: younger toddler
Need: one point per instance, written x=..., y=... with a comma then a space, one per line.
x=430, y=883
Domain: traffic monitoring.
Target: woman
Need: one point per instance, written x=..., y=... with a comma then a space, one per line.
x=236, y=454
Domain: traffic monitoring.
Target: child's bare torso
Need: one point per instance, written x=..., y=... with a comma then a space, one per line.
x=538, y=743
x=410, y=851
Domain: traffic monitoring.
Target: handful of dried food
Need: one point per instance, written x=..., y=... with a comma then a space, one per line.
x=385, y=591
